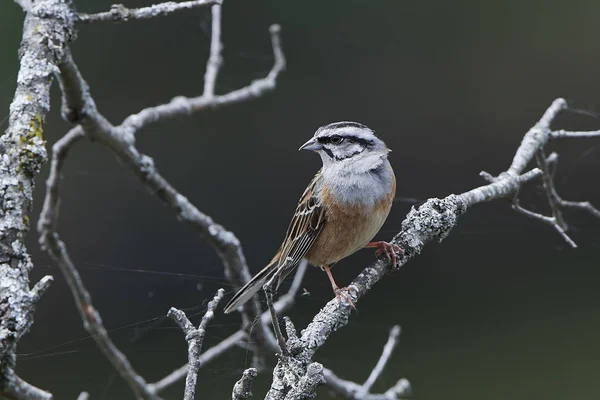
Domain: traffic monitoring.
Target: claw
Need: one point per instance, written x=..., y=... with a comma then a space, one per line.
x=391, y=250
x=339, y=293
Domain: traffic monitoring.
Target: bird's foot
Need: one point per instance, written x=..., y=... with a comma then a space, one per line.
x=391, y=250
x=341, y=293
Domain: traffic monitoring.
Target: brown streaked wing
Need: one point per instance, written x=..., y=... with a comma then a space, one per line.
x=303, y=230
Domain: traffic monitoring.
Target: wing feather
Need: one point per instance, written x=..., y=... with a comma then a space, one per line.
x=303, y=230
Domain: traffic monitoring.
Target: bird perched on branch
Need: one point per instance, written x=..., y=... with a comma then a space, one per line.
x=340, y=211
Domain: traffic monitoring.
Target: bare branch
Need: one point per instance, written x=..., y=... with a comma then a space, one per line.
x=91, y=318
x=284, y=303
x=562, y=134
x=79, y=107
x=120, y=13
x=50, y=241
x=83, y=396
x=554, y=200
x=582, y=205
x=214, y=60
x=552, y=221
x=351, y=390
x=185, y=106
x=48, y=220
x=242, y=389
x=557, y=199
x=385, y=356
x=206, y=357
x=548, y=183
x=18, y=389
x=195, y=338
x=536, y=138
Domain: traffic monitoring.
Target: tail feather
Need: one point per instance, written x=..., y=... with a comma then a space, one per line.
x=250, y=288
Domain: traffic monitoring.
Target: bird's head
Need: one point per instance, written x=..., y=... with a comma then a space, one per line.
x=346, y=143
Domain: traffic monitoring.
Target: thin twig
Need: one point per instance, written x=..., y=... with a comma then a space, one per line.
x=385, y=356
x=48, y=220
x=120, y=13
x=351, y=390
x=582, y=205
x=213, y=65
x=552, y=221
x=185, y=106
x=195, y=338
x=554, y=200
x=92, y=321
x=549, y=187
x=562, y=134
x=18, y=389
x=268, y=289
x=284, y=303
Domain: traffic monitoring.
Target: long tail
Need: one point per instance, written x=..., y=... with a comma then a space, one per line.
x=250, y=288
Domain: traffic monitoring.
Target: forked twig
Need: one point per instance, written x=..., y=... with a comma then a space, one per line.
x=195, y=338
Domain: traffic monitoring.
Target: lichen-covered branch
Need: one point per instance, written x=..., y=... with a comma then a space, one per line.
x=432, y=221
x=22, y=154
x=242, y=390
x=120, y=13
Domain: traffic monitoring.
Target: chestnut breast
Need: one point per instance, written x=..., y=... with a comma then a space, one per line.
x=348, y=227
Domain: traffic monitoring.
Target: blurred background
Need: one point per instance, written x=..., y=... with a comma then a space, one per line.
x=501, y=309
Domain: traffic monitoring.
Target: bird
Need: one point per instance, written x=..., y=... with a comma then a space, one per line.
x=341, y=210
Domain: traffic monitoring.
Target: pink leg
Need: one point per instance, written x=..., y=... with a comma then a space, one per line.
x=391, y=250
x=338, y=292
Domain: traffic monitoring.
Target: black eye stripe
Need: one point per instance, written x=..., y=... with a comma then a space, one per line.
x=355, y=139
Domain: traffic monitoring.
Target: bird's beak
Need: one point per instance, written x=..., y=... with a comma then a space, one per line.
x=312, y=145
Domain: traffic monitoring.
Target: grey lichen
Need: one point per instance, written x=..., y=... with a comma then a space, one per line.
x=23, y=154
x=431, y=221
x=242, y=389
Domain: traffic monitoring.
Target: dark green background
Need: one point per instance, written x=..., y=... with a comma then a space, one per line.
x=501, y=309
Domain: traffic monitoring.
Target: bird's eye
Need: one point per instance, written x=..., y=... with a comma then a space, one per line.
x=336, y=139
